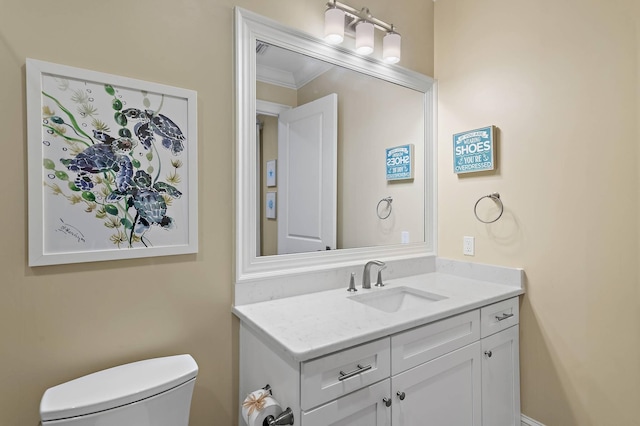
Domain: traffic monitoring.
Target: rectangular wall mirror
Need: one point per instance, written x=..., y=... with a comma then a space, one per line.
x=331, y=120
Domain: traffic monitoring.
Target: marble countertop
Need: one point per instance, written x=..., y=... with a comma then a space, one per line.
x=312, y=325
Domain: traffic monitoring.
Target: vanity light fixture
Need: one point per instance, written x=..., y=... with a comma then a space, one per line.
x=391, y=47
x=334, y=25
x=364, y=38
x=340, y=18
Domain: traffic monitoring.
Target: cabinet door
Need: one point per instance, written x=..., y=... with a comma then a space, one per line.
x=445, y=391
x=501, y=379
x=361, y=408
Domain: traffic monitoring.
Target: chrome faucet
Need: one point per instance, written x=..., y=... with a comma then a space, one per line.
x=366, y=276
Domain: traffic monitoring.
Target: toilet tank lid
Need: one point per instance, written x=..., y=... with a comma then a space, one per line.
x=116, y=386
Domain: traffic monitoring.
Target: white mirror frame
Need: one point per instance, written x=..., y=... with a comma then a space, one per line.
x=250, y=27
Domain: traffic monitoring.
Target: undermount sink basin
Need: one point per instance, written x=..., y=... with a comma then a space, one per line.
x=396, y=299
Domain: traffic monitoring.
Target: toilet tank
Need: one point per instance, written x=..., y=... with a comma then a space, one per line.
x=153, y=392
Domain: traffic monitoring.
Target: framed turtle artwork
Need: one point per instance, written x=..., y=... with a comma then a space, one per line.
x=112, y=166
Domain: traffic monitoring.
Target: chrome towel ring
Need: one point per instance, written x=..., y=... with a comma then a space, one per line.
x=388, y=206
x=496, y=198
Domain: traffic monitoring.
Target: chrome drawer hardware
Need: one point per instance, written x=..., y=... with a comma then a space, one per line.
x=361, y=369
x=401, y=395
x=504, y=317
x=488, y=353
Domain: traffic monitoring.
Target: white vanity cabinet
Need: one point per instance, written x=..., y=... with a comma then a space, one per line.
x=501, y=364
x=461, y=370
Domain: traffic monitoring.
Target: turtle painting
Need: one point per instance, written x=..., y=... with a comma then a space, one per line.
x=152, y=123
x=147, y=199
x=108, y=155
x=99, y=154
x=140, y=192
x=149, y=203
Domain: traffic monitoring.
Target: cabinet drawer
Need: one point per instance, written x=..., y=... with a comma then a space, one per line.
x=499, y=316
x=363, y=407
x=413, y=347
x=332, y=376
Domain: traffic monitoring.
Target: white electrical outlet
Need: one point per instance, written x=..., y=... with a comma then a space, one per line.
x=468, y=246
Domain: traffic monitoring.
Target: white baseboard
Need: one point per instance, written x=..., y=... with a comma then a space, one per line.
x=528, y=421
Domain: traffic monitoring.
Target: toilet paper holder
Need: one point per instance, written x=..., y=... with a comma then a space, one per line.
x=284, y=418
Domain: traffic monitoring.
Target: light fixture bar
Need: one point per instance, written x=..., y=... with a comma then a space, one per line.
x=360, y=15
x=361, y=24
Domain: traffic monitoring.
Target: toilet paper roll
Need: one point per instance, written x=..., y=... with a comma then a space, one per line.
x=259, y=405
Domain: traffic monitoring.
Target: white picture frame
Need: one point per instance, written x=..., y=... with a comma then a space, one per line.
x=474, y=150
x=112, y=166
x=400, y=162
x=270, y=205
x=271, y=173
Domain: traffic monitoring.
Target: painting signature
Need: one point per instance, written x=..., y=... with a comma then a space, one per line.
x=72, y=231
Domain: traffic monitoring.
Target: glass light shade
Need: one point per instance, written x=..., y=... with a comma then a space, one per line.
x=364, y=38
x=391, y=48
x=334, y=26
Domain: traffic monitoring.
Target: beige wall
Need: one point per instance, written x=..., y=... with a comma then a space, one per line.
x=561, y=82
x=60, y=322
x=276, y=94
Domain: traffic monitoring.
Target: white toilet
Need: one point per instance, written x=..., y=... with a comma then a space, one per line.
x=153, y=392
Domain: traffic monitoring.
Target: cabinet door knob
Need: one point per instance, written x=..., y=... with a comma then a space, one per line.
x=488, y=353
x=401, y=395
x=387, y=402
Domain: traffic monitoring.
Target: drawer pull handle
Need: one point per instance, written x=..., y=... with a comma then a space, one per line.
x=504, y=317
x=401, y=395
x=360, y=369
x=387, y=402
x=488, y=353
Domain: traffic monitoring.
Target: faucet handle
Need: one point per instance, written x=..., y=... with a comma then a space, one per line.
x=352, y=283
x=379, y=280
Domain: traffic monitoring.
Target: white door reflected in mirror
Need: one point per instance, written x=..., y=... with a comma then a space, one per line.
x=307, y=146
